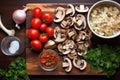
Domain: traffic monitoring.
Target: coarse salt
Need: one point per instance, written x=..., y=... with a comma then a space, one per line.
x=14, y=46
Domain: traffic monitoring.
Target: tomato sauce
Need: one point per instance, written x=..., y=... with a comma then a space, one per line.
x=48, y=59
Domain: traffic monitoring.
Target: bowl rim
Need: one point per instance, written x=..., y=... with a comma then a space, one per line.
x=48, y=68
x=89, y=12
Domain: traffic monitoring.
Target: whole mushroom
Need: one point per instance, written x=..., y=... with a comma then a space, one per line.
x=81, y=8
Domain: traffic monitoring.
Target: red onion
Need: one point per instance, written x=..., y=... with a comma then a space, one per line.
x=19, y=16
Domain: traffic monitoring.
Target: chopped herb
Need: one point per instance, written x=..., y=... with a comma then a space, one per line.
x=16, y=71
x=104, y=58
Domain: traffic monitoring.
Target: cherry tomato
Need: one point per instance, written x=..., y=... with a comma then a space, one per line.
x=43, y=38
x=33, y=33
x=35, y=23
x=43, y=27
x=36, y=45
x=47, y=18
x=50, y=31
x=37, y=12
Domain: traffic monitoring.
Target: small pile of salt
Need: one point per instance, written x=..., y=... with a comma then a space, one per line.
x=14, y=46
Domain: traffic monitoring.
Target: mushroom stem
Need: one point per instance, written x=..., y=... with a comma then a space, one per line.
x=9, y=32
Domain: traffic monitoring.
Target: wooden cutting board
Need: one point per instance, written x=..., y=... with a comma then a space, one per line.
x=33, y=67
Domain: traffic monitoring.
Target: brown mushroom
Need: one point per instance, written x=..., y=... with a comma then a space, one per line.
x=81, y=36
x=59, y=34
x=72, y=34
x=79, y=22
x=60, y=14
x=50, y=44
x=72, y=54
x=81, y=8
x=67, y=64
x=79, y=63
x=70, y=10
x=81, y=49
x=66, y=47
x=67, y=22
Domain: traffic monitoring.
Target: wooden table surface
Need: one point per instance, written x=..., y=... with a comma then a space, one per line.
x=6, y=9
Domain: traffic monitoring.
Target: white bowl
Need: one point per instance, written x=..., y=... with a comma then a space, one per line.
x=11, y=46
x=103, y=3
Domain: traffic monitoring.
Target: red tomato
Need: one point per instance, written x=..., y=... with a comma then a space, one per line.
x=43, y=27
x=43, y=38
x=36, y=45
x=35, y=23
x=37, y=12
x=47, y=18
x=50, y=31
x=33, y=33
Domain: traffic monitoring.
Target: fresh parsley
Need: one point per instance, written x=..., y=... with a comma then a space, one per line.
x=104, y=58
x=16, y=71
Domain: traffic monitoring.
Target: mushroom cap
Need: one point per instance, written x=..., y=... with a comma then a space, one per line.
x=50, y=44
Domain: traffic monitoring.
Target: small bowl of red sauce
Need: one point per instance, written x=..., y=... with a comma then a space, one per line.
x=48, y=60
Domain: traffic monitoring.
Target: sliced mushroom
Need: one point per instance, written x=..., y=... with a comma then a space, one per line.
x=81, y=8
x=62, y=50
x=67, y=22
x=81, y=49
x=79, y=63
x=50, y=44
x=66, y=47
x=72, y=54
x=72, y=34
x=82, y=52
x=82, y=63
x=60, y=14
x=81, y=36
x=79, y=22
x=70, y=10
x=59, y=34
x=67, y=64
